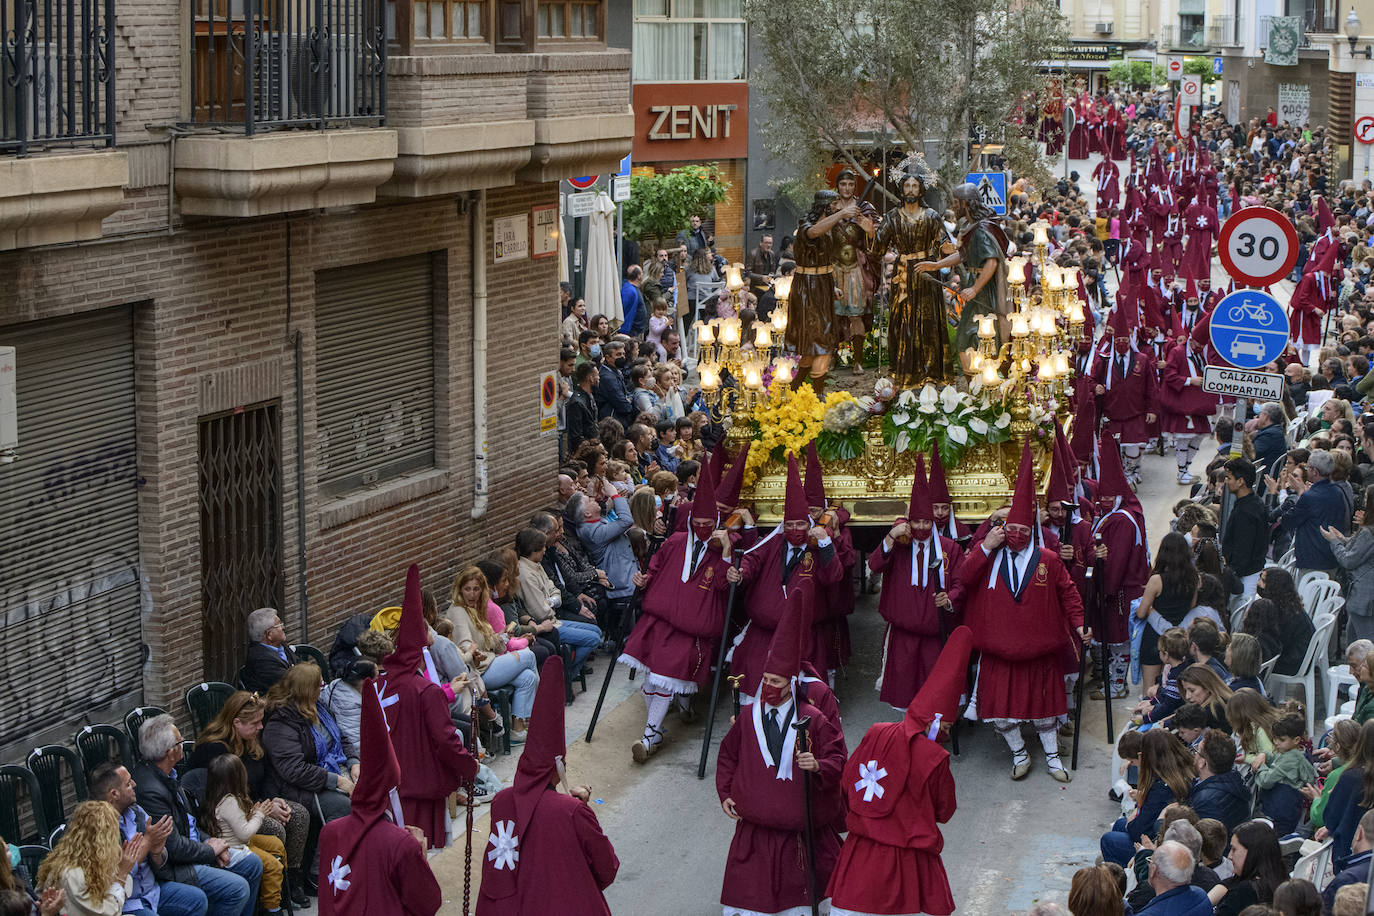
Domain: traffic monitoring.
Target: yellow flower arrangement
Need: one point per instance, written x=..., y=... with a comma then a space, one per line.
x=786, y=421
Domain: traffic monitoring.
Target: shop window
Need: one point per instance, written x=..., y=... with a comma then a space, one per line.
x=685, y=40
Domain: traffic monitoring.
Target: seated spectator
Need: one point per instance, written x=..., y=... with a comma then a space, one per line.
x=542, y=598
x=1281, y=776
x=486, y=650
x=1333, y=759
x=1295, y=627
x=1172, y=649
x=1094, y=893
x=1298, y=897
x=1202, y=687
x=609, y=547
x=1350, y=900
x=1243, y=659
x=268, y=654
x=344, y=700
x=305, y=758
x=1252, y=720
x=230, y=887
x=1350, y=799
x=1215, y=836
x=110, y=782
x=1189, y=723
x=1171, y=874
x=1166, y=773
x=1219, y=792
x=236, y=730
x=1357, y=866
x=228, y=813
x=90, y=865
x=1258, y=866
x=345, y=647
x=543, y=636
x=1205, y=644
x=580, y=585
x=1179, y=830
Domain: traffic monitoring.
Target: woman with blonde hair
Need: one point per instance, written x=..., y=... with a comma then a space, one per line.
x=237, y=730
x=305, y=758
x=1252, y=719
x=90, y=865
x=1203, y=687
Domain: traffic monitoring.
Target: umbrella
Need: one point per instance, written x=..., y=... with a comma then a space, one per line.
x=602, y=283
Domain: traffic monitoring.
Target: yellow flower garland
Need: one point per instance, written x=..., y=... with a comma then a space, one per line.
x=790, y=419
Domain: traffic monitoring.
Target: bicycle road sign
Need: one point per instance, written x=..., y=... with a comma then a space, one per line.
x=1258, y=246
x=1249, y=329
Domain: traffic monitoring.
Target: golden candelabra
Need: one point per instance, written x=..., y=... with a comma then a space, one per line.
x=1036, y=364
x=731, y=369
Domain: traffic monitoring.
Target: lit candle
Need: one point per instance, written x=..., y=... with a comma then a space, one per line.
x=763, y=336
x=706, y=332
x=710, y=376
x=779, y=320
x=1061, y=364
x=782, y=371
x=1054, y=279
x=1019, y=326
x=729, y=332
x=782, y=287
x=1076, y=312
x=1041, y=238
x=990, y=376
x=753, y=377
x=987, y=327
x=976, y=362
x=1036, y=323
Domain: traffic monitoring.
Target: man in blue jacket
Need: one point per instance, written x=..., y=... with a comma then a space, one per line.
x=1357, y=866
x=632, y=303
x=611, y=397
x=1320, y=505
x=1171, y=870
x=1219, y=791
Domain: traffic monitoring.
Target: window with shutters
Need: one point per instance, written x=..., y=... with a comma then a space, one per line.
x=374, y=373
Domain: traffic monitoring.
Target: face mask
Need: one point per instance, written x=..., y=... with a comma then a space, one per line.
x=1188, y=536
x=702, y=529
x=14, y=856
x=1018, y=540
x=796, y=537
x=595, y=351
x=771, y=695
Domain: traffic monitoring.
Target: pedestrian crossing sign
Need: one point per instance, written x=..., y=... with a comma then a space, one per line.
x=992, y=190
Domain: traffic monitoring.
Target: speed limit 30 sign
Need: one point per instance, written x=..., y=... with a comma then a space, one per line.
x=1258, y=246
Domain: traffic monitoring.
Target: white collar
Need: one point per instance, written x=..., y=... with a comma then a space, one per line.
x=687, y=552
x=1021, y=561
x=789, y=740
x=921, y=577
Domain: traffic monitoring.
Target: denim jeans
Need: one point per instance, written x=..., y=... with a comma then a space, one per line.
x=583, y=637
x=1116, y=845
x=232, y=891
x=515, y=669
x=177, y=900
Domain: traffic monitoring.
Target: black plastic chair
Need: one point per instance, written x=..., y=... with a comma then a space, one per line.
x=565, y=651
x=205, y=700
x=308, y=653
x=97, y=744
x=61, y=781
x=503, y=697
x=184, y=764
x=19, y=790
x=239, y=682
x=31, y=857
x=133, y=721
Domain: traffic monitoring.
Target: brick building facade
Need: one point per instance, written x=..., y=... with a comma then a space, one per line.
x=209, y=247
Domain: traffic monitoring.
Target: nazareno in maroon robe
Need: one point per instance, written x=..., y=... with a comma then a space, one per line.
x=915, y=633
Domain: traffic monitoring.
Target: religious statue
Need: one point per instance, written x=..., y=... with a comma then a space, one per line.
x=918, y=334
x=811, y=307
x=983, y=249
x=855, y=269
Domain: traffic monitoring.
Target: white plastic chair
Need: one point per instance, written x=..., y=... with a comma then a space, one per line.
x=1317, y=595
x=1267, y=669
x=1278, y=684
x=1238, y=616
x=1315, y=866
x=1336, y=677
x=1289, y=560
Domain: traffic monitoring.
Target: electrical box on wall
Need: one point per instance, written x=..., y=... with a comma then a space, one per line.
x=9, y=410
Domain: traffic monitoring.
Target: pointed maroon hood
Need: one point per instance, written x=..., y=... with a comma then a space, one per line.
x=815, y=480
x=413, y=635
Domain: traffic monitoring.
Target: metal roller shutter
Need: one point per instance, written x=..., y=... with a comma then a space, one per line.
x=374, y=372
x=70, y=581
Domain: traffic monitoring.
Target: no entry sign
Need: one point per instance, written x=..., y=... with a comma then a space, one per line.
x=1175, y=68
x=1258, y=246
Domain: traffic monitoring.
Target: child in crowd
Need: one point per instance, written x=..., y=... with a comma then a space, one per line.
x=618, y=474
x=230, y=814
x=1189, y=723
x=1214, y=841
x=658, y=323
x=1207, y=645
x=1252, y=720
x=1165, y=696
x=1286, y=763
x=1128, y=751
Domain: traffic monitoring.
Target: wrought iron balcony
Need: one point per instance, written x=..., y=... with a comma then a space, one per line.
x=288, y=63
x=56, y=74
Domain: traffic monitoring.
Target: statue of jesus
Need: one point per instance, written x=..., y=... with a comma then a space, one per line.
x=918, y=334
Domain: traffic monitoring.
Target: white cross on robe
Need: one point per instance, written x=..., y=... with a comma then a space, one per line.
x=338, y=875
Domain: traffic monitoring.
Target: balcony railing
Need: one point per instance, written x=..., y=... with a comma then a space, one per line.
x=1191, y=38
x=288, y=63
x=56, y=73
x=1317, y=15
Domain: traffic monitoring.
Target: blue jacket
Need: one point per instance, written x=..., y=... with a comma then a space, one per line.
x=632, y=304
x=1156, y=800
x=1181, y=901
x=1356, y=870
x=1343, y=813
x=1269, y=447
x=609, y=548
x=611, y=398
x=1224, y=797
x=1323, y=504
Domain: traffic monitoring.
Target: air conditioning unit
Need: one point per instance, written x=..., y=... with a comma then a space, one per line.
x=9, y=407
x=1102, y=28
x=40, y=92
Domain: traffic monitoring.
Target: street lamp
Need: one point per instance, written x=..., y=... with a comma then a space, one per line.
x=1352, y=27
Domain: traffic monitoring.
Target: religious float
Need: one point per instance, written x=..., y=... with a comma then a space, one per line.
x=1007, y=393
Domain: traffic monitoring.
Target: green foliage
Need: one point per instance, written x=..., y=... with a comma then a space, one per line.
x=833, y=446
x=1200, y=67
x=1136, y=74
x=660, y=206
x=843, y=76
